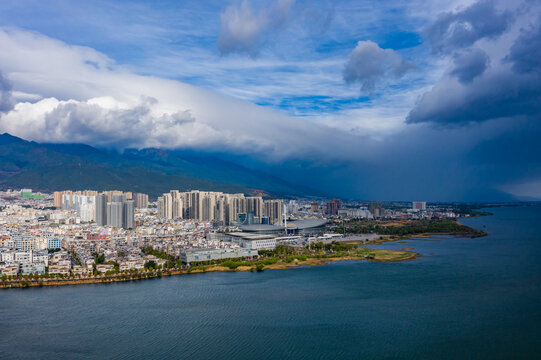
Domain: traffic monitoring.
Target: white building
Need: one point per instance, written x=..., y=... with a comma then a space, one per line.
x=252, y=241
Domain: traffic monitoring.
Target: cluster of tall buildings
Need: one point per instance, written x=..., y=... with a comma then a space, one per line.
x=109, y=208
x=119, y=213
x=224, y=209
x=333, y=206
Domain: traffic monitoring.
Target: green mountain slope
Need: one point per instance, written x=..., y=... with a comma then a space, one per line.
x=50, y=167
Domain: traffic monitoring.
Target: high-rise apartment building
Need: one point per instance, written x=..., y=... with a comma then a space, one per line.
x=255, y=204
x=118, y=197
x=115, y=214
x=128, y=214
x=274, y=210
x=376, y=210
x=58, y=199
x=160, y=204
x=66, y=199
x=119, y=214
x=101, y=209
x=110, y=194
x=221, y=209
x=168, y=206
x=195, y=204
x=84, y=205
x=141, y=200
x=418, y=205
x=208, y=208
x=176, y=211
x=333, y=206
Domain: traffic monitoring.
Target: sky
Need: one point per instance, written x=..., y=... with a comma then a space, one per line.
x=394, y=100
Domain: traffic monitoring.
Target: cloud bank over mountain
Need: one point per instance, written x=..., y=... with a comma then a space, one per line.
x=262, y=87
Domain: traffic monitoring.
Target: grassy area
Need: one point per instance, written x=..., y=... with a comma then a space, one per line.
x=284, y=257
x=386, y=255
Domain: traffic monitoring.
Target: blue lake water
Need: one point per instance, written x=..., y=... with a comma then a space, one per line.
x=463, y=299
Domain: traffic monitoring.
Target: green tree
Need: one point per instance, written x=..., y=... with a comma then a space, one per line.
x=150, y=264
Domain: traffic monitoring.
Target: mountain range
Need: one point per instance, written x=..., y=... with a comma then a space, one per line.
x=51, y=167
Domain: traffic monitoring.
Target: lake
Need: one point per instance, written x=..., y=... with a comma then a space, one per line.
x=462, y=299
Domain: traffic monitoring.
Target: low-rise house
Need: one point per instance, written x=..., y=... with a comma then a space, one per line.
x=8, y=256
x=12, y=270
x=33, y=268
x=81, y=270
x=39, y=257
x=161, y=262
x=57, y=269
x=65, y=263
x=23, y=257
x=131, y=265
x=103, y=268
x=125, y=266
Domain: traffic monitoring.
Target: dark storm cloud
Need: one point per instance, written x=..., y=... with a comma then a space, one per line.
x=494, y=95
x=510, y=88
x=525, y=53
x=369, y=64
x=6, y=101
x=432, y=163
x=469, y=64
x=456, y=30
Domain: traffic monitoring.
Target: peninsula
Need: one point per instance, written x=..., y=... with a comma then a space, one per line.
x=87, y=236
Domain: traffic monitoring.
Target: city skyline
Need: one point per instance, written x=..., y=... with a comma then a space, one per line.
x=343, y=96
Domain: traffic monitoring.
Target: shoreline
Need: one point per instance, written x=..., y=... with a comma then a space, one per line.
x=379, y=256
x=464, y=231
x=389, y=238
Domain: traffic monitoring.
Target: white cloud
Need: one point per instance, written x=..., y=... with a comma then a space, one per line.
x=106, y=122
x=244, y=29
x=88, y=98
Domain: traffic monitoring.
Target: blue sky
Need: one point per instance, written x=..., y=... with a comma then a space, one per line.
x=435, y=100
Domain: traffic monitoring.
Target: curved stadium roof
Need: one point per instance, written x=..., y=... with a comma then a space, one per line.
x=293, y=225
x=306, y=224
